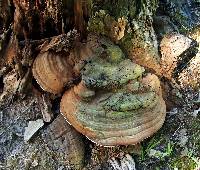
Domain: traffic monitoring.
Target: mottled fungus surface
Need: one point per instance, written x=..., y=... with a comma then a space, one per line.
x=114, y=104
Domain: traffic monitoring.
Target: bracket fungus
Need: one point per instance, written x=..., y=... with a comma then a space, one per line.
x=52, y=71
x=115, y=103
x=54, y=67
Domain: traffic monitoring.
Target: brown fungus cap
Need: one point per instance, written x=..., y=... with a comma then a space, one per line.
x=114, y=104
x=58, y=64
x=52, y=71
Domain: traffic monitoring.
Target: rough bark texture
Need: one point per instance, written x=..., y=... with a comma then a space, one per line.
x=141, y=29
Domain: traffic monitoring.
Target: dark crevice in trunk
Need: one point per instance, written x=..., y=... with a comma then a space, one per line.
x=1, y=84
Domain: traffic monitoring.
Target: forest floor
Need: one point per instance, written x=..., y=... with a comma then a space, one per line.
x=177, y=144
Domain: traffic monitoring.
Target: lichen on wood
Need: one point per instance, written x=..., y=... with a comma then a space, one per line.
x=134, y=31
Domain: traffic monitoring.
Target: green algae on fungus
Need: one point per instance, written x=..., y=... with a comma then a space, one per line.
x=106, y=75
x=115, y=118
x=110, y=69
x=114, y=104
x=128, y=102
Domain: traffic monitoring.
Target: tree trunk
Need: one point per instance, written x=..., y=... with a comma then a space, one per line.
x=29, y=28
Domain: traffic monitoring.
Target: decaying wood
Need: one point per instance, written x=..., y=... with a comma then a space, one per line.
x=46, y=107
x=100, y=57
x=60, y=136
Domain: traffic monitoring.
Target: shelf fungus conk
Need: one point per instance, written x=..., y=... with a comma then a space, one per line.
x=52, y=71
x=115, y=103
x=54, y=68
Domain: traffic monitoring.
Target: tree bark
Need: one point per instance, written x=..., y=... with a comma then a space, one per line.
x=28, y=26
